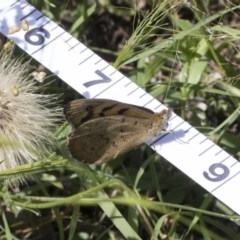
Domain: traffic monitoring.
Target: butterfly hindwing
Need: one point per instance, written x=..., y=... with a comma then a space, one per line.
x=104, y=138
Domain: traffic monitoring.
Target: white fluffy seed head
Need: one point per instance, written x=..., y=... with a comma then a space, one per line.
x=27, y=117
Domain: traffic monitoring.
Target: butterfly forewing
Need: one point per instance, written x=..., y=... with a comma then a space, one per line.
x=81, y=110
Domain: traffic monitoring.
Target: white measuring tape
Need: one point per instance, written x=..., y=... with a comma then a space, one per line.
x=92, y=77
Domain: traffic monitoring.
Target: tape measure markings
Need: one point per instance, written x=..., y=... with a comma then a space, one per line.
x=201, y=159
x=74, y=46
x=222, y=184
x=35, y=10
x=13, y=4
x=104, y=79
x=150, y=102
x=219, y=152
x=235, y=163
x=177, y=126
x=109, y=87
x=221, y=172
x=206, y=150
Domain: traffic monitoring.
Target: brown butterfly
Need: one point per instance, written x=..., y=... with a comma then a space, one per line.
x=102, y=129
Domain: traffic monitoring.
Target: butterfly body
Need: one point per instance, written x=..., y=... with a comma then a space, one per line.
x=102, y=129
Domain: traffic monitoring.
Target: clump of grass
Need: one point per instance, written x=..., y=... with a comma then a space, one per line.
x=178, y=54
